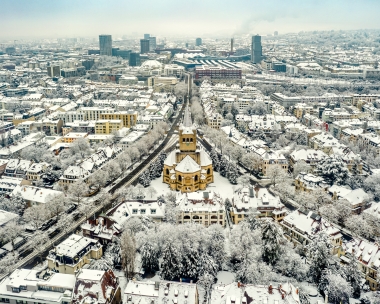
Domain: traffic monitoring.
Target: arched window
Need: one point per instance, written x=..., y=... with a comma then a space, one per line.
x=196, y=178
x=167, y=171
x=214, y=217
x=195, y=217
x=183, y=139
x=191, y=139
x=186, y=217
x=208, y=171
x=180, y=178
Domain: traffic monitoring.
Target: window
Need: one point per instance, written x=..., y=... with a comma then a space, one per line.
x=22, y=287
x=15, y=289
x=4, y=300
x=134, y=211
x=142, y=211
x=153, y=211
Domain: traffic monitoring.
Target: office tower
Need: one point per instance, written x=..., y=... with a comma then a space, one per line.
x=105, y=45
x=144, y=46
x=114, y=51
x=152, y=43
x=134, y=59
x=256, y=49
x=198, y=41
x=275, y=33
x=146, y=36
x=54, y=70
x=232, y=45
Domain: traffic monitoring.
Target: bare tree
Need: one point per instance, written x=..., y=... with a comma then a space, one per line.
x=35, y=216
x=77, y=191
x=56, y=204
x=276, y=174
x=128, y=253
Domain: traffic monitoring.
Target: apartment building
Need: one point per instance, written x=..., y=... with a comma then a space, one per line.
x=307, y=182
x=300, y=227
x=32, y=286
x=257, y=201
x=128, y=118
x=73, y=136
x=206, y=208
x=300, y=109
x=73, y=253
x=104, y=126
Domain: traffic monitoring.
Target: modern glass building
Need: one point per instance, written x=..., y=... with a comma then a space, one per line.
x=105, y=45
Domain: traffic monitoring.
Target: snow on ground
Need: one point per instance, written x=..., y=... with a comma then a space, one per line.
x=122, y=280
x=220, y=185
x=160, y=187
x=225, y=277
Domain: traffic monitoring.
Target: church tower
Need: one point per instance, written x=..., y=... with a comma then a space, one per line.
x=188, y=168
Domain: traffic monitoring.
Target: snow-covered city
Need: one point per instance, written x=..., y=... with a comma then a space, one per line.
x=189, y=166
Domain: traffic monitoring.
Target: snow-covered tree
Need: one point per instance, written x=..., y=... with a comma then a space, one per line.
x=291, y=264
x=128, y=253
x=358, y=226
x=252, y=161
x=333, y=169
x=56, y=204
x=300, y=166
x=232, y=174
x=144, y=178
x=272, y=238
x=15, y=204
x=171, y=265
x=77, y=191
x=149, y=256
x=336, y=287
x=319, y=251
x=353, y=275
x=276, y=174
x=244, y=180
x=35, y=216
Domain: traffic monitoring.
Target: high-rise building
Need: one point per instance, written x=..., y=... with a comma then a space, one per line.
x=105, y=45
x=144, y=46
x=275, y=33
x=54, y=70
x=152, y=43
x=256, y=49
x=134, y=59
x=198, y=41
x=146, y=36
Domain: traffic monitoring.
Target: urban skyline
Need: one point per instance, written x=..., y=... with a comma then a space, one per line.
x=29, y=19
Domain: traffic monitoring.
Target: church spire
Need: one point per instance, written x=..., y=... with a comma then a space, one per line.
x=187, y=118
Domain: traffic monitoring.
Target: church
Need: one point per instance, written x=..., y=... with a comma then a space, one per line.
x=187, y=168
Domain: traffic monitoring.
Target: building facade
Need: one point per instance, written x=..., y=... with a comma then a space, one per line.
x=105, y=45
x=188, y=169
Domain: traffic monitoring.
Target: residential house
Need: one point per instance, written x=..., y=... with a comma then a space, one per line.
x=96, y=286
x=308, y=182
x=157, y=292
x=29, y=286
x=73, y=253
x=301, y=226
x=258, y=201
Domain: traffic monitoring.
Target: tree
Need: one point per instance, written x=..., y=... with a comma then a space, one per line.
x=56, y=204
x=149, y=256
x=358, y=226
x=144, y=179
x=232, y=173
x=272, y=238
x=11, y=231
x=35, y=216
x=333, y=169
x=353, y=275
x=300, y=166
x=113, y=169
x=252, y=161
x=15, y=204
x=151, y=191
x=337, y=288
x=171, y=265
x=77, y=191
x=244, y=180
x=276, y=174
x=81, y=147
x=128, y=253
x=38, y=243
x=319, y=250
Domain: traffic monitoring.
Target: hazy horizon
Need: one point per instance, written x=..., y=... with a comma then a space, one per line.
x=69, y=18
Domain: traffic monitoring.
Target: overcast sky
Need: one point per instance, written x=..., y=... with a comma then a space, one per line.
x=80, y=18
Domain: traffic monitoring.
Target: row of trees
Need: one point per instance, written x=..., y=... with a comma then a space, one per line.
x=154, y=171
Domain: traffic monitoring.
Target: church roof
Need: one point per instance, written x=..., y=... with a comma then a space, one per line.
x=170, y=159
x=205, y=159
x=188, y=165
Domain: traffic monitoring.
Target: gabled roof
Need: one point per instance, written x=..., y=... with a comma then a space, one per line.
x=188, y=165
